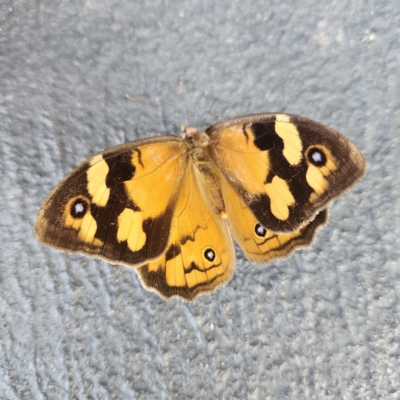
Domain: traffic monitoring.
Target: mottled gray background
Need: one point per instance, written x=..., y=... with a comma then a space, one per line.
x=323, y=324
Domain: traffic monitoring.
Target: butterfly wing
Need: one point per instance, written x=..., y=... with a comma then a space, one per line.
x=118, y=204
x=285, y=168
x=200, y=254
x=259, y=244
x=146, y=204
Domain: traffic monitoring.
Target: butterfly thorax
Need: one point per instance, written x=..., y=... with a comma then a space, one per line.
x=196, y=144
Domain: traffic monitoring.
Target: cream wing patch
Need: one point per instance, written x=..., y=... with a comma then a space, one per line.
x=289, y=133
x=82, y=221
x=317, y=182
x=88, y=228
x=96, y=176
x=280, y=196
x=130, y=229
x=316, y=174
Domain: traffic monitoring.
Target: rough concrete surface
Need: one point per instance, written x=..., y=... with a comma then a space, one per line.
x=322, y=324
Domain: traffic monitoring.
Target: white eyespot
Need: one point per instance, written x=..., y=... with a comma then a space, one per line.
x=79, y=208
x=209, y=254
x=259, y=230
x=316, y=156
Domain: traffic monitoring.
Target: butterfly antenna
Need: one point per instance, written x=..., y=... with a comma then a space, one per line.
x=183, y=124
x=182, y=88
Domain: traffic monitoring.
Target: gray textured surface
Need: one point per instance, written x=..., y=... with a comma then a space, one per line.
x=322, y=324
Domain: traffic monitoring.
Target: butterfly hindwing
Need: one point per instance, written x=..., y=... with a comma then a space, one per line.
x=119, y=204
x=259, y=244
x=286, y=168
x=200, y=254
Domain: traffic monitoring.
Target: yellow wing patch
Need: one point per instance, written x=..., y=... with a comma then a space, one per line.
x=130, y=229
x=292, y=144
x=96, y=176
x=79, y=218
x=316, y=175
x=280, y=196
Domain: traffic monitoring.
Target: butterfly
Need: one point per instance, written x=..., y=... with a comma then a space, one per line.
x=168, y=206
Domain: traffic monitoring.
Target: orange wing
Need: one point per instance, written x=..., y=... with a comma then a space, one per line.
x=285, y=168
x=259, y=244
x=118, y=205
x=200, y=254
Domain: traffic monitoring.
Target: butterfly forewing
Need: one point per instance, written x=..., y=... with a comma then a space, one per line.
x=286, y=168
x=118, y=204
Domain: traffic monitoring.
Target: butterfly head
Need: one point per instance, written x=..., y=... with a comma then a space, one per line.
x=193, y=138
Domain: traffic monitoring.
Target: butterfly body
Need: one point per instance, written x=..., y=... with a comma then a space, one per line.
x=166, y=206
